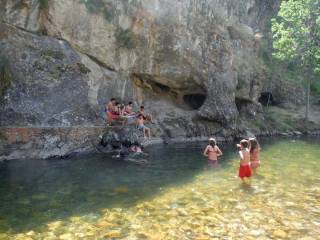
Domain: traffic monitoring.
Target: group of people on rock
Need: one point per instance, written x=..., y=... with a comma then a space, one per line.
x=249, y=152
x=115, y=111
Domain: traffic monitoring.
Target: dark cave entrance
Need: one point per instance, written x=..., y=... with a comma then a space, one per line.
x=242, y=103
x=188, y=98
x=266, y=99
x=194, y=101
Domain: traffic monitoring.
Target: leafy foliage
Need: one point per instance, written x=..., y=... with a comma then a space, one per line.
x=43, y=5
x=99, y=6
x=296, y=32
x=94, y=6
x=126, y=38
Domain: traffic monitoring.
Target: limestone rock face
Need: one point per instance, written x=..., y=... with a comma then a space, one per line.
x=193, y=64
x=48, y=84
x=191, y=52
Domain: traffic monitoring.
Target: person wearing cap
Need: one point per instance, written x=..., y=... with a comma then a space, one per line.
x=212, y=152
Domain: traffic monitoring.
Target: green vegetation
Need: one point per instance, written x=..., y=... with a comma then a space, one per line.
x=94, y=6
x=296, y=33
x=43, y=5
x=53, y=54
x=315, y=87
x=2, y=136
x=5, y=75
x=126, y=38
x=83, y=69
x=108, y=14
x=99, y=6
x=279, y=119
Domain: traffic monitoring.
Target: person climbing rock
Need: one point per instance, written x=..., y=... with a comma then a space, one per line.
x=142, y=127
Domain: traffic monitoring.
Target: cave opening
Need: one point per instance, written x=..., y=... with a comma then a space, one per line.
x=194, y=101
x=161, y=87
x=242, y=103
x=266, y=99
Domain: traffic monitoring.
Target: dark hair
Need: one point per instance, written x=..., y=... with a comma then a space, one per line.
x=112, y=99
x=129, y=103
x=244, y=143
x=142, y=107
x=254, y=144
x=212, y=142
x=117, y=103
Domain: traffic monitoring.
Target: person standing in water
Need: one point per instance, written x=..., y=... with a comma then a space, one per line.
x=212, y=152
x=254, y=153
x=245, y=171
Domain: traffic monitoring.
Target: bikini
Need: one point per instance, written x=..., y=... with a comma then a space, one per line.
x=212, y=161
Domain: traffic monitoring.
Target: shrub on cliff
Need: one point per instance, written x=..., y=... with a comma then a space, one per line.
x=43, y=5
x=125, y=38
x=99, y=6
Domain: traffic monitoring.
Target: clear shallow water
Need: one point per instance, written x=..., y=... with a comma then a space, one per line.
x=174, y=196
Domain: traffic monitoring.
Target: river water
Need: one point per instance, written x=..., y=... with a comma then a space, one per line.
x=173, y=196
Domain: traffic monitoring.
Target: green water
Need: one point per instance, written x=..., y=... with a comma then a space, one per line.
x=174, y=196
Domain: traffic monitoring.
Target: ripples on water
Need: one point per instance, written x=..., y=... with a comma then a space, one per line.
x=174, y=196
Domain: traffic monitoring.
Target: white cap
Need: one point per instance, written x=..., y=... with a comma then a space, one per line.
x=211, y=139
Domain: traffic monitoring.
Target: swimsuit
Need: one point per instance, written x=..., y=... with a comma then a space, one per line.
x=212, y=150
x=141, y=127
x=212, y=163
x=255, y=164
x=245, y=171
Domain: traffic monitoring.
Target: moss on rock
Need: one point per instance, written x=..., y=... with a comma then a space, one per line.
x=5, y=75
x=43, y=5
x=83, y=69
x=126, y=38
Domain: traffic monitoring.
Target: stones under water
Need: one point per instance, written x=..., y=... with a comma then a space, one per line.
x=174, y=196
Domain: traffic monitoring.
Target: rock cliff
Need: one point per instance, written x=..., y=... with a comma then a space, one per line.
x=195, y=64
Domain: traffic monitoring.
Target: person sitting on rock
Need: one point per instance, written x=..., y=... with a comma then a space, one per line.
x=122, y=111
x=109, y=109
x=116, y=109
x=129, y=109
x=142, y=127
x=129, y=114
x=145, y=115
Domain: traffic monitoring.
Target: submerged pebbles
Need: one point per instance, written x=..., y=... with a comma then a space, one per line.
x=282, y=202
